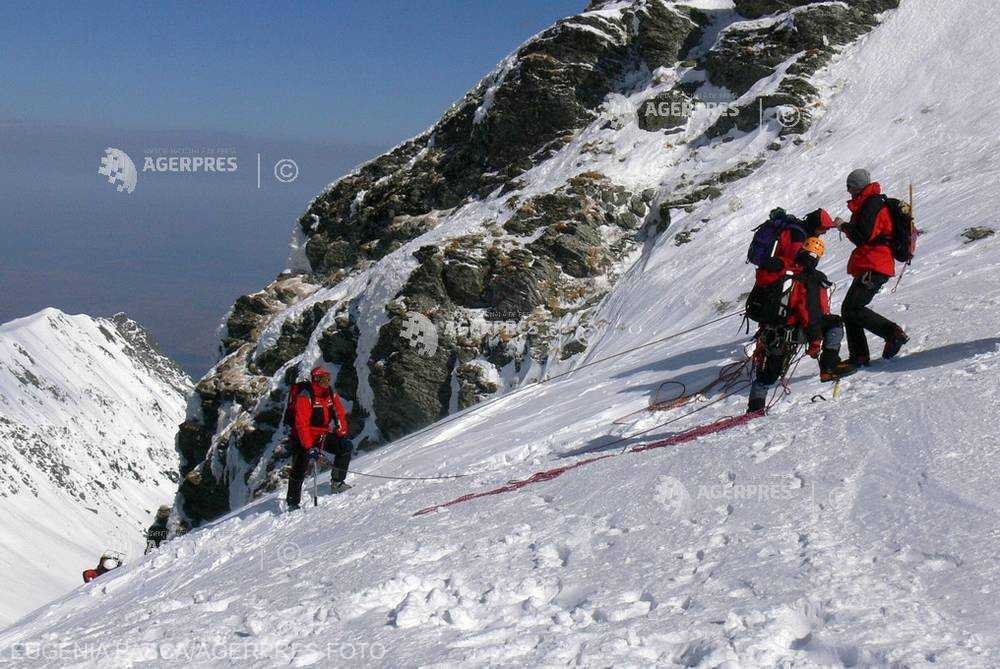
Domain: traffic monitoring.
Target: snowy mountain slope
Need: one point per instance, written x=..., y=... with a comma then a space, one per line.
x=520, y=209
x=857, y=531
x=88, y=407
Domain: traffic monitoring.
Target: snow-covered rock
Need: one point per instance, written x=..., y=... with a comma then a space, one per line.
x=88, y=410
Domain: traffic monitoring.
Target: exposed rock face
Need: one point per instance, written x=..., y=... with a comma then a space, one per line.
x=665, y=111
x=975, y=233
x=576, y=233
x=252, y=312
x=811, y=34
x=753, y=9
x=533, y=103
x=140, y=346
x=465, y=229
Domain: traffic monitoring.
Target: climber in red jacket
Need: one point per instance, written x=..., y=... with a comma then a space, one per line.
x=809, y=319
x=871, y=265
x=320, y=425
x=108, y=562
x=789, y=243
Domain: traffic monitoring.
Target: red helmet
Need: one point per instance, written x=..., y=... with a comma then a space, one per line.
x=319, y=372
x=825, y=222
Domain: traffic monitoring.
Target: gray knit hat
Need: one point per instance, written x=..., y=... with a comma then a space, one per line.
x=858, y=179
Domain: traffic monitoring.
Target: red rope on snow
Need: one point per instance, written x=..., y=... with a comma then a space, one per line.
x=549, y=474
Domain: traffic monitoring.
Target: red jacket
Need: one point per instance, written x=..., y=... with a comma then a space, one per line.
x=313, y=415
x=803, y=314
x=867, y=225
x=788, y=247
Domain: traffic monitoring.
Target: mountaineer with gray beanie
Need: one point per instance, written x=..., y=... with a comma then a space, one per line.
x=870, y=230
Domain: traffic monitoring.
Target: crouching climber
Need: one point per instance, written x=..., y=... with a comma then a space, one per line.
x=792, y=311
x=108, y=562
x=319, y=424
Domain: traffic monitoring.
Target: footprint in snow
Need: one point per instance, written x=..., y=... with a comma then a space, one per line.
x=551, y=555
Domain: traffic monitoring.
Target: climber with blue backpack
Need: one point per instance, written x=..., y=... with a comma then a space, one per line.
x=790, y=302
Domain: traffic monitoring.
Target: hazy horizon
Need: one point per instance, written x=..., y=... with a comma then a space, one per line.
x=327, y=85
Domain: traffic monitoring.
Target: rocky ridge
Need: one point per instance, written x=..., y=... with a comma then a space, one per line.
x=507, y=221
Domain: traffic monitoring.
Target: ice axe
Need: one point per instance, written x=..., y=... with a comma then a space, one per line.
x=315, y=487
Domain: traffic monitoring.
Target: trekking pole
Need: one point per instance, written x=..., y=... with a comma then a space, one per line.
x=315, y=488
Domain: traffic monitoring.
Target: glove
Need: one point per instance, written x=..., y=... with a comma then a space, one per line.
x=815, y=347
x=313, y=453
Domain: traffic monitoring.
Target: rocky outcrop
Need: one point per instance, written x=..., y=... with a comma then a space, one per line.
x=536, y=266
x=975, y=233
x=530, y=105
x=754, y=9
x=666, y=111
x=809, y=35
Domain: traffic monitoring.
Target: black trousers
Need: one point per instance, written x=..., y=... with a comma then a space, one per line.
x=339, y=447
x=858, y=317
x=778, y=353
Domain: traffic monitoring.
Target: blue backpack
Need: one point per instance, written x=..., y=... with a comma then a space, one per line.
x=766, y=235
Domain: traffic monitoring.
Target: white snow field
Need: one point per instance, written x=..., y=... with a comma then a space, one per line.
x=87, y=417
x=859, y=531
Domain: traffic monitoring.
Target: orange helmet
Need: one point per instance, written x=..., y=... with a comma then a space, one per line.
x=814, y=246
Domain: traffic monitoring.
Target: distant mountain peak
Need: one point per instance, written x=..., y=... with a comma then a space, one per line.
x=88, y=409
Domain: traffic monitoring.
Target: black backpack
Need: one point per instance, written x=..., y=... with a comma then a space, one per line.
x=903, y=241
x=768, y=305
x=288, y=418
x=904, y=232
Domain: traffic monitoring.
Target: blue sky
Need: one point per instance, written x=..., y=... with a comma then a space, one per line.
x=364, y=70
x=329, y=84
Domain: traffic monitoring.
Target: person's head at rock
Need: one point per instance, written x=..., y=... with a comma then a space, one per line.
x=320, y=376
x=857, y=181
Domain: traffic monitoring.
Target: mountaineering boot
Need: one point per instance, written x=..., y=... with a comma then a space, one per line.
x=832, y=368
x=859, y=361
x=756, y=404
x=339, y=487
x=894, y=343
x=292, y=507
